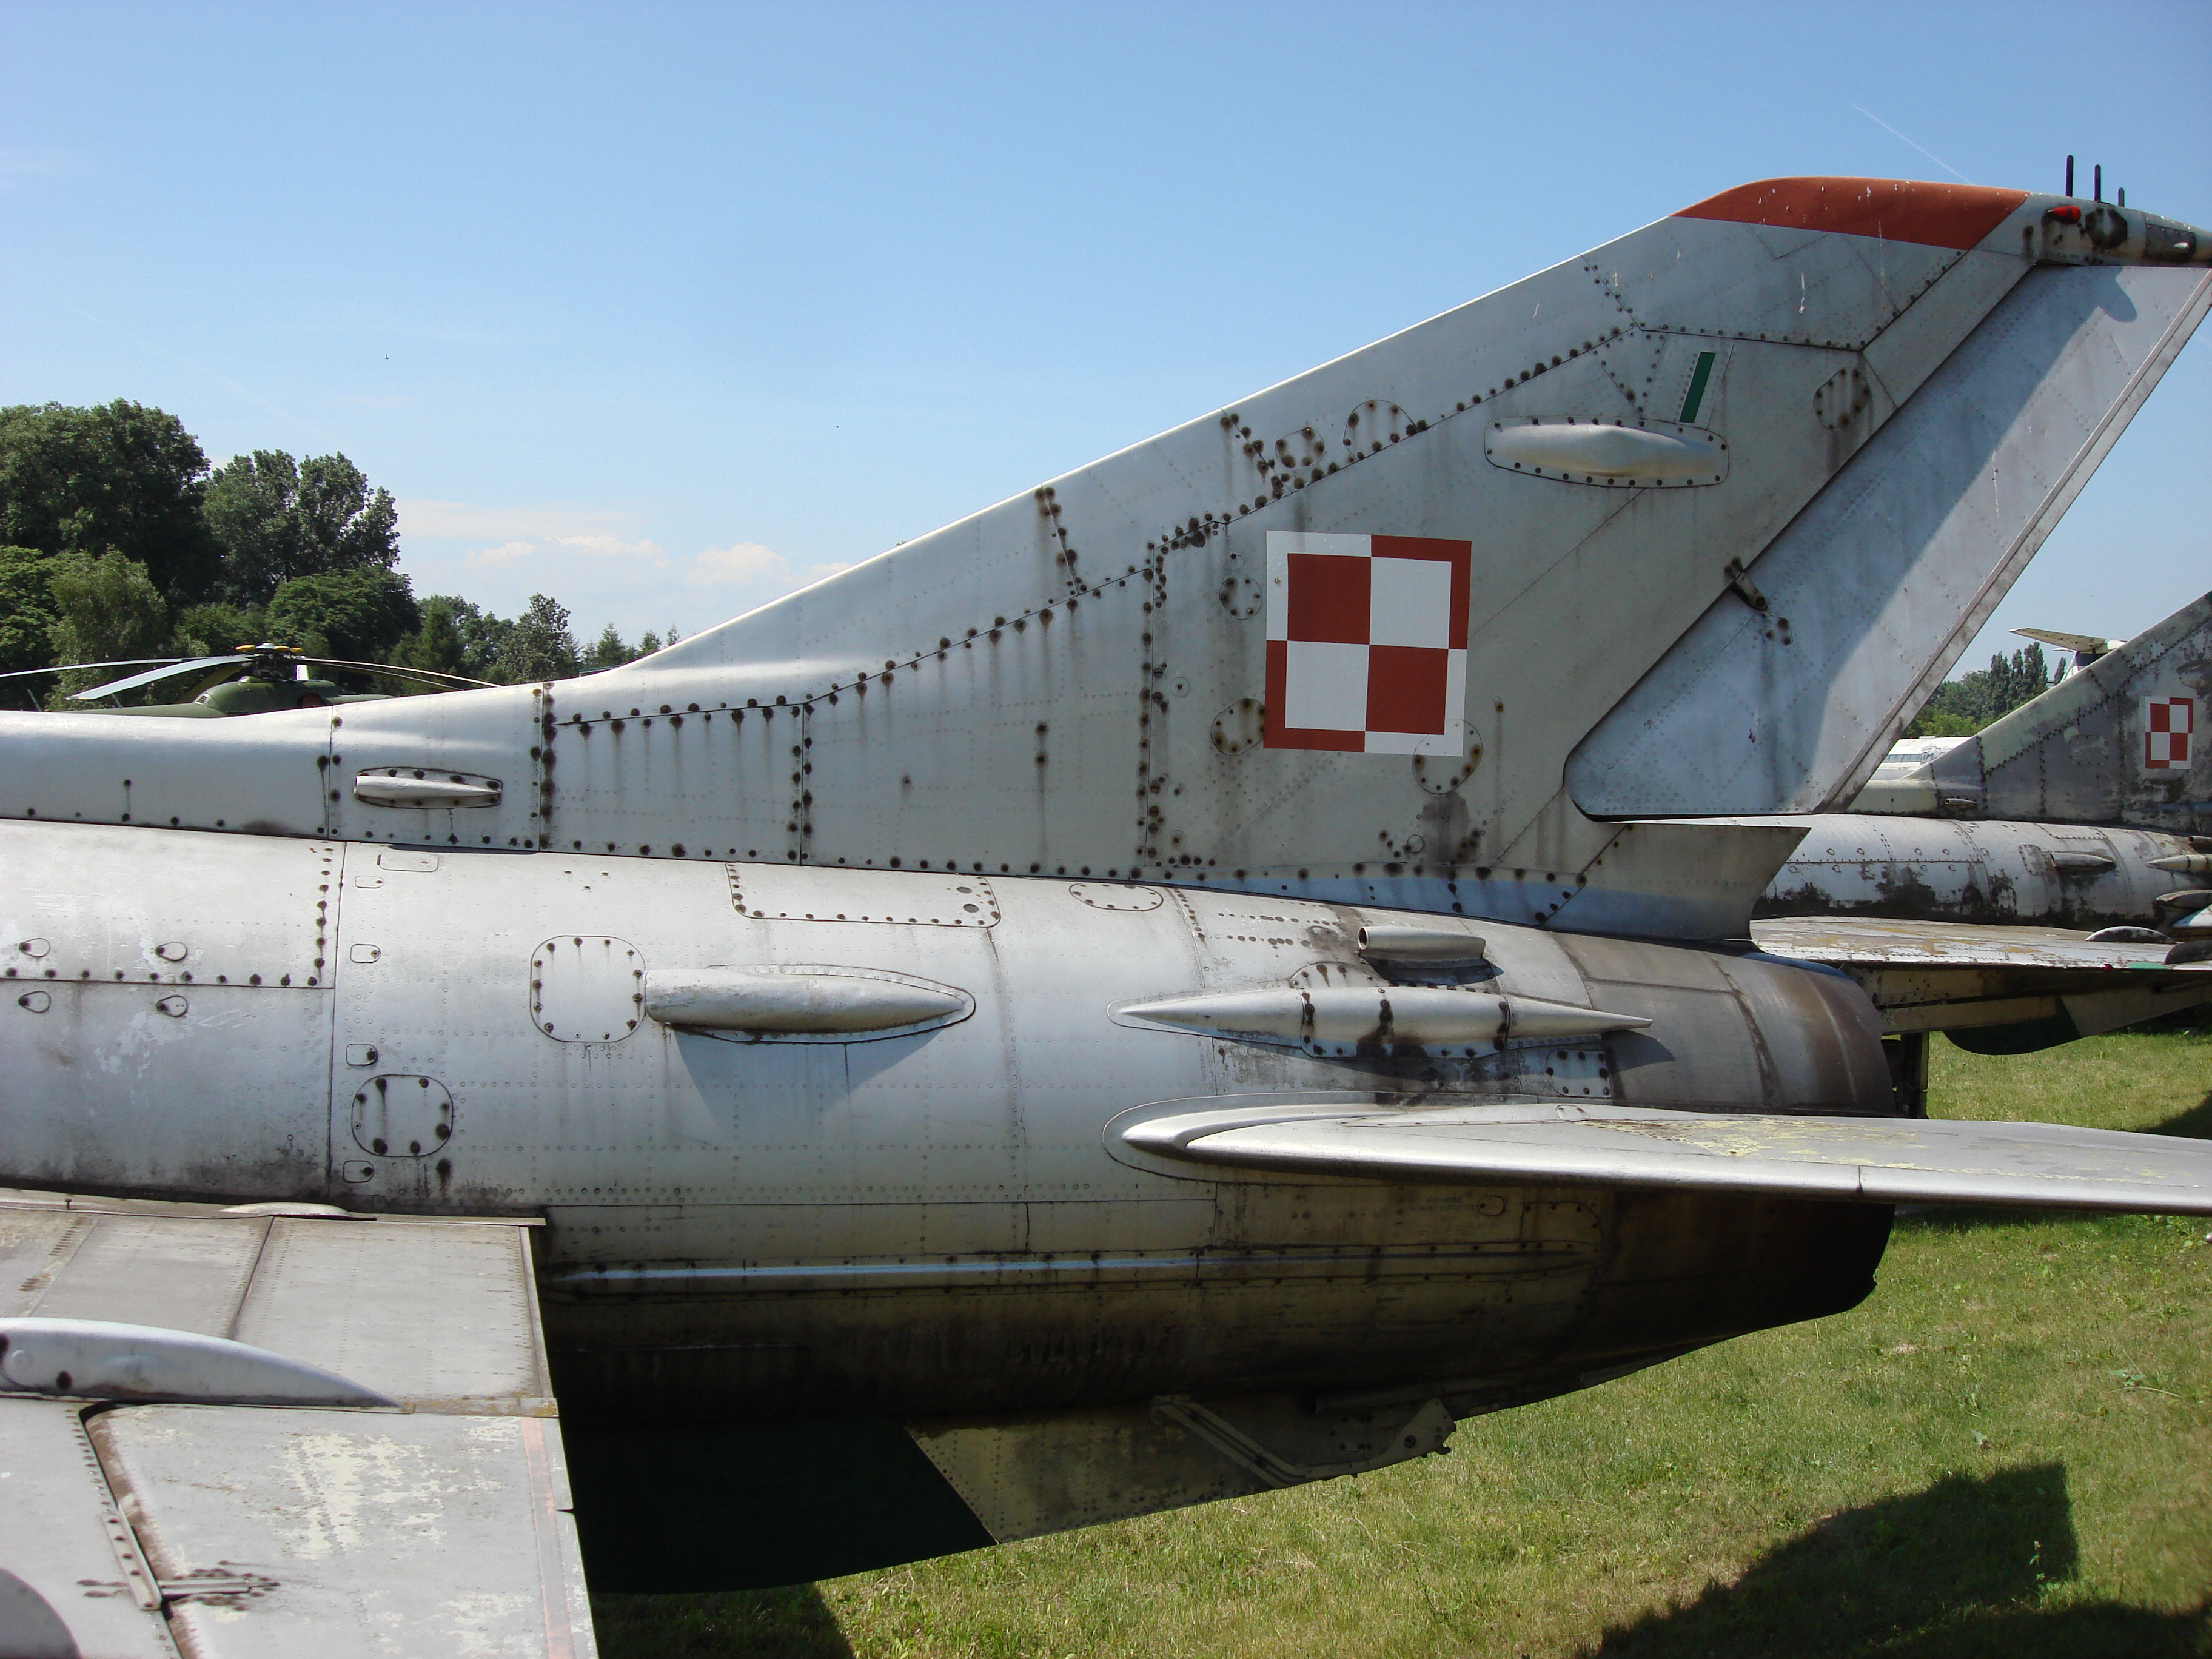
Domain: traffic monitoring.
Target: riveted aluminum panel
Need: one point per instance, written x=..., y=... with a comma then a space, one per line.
x=1044, y=687
x=259, y=917
x=60, y=1531
x=437, y=1316
x=1886, y=577
x=184, y=1274
x=354, y=1533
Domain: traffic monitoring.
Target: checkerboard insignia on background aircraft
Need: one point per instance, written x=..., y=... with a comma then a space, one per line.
x=1367, y=643
x=2167, y=723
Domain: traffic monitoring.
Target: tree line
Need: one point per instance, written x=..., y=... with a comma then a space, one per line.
x=118, y=540
x=1960, y=707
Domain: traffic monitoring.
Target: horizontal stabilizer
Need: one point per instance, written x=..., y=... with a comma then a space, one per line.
x=1879, y=1160
x=2015, y=988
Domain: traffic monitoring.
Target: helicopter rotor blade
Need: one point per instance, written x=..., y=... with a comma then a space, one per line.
x=71, y=667
x=132, y=681
x=429, y=676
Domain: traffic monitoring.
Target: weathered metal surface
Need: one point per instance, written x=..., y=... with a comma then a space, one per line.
x=279, y=1532
x=746, y=1221
x=2085, y=751
x=1048, y=681
x=62, y=1534
x=246, y=1529
x=1946, y=869
x=1883, y=584
x=1343, y=1019
x=2051, y=984
x=1924, y=1161
x=436, y=1315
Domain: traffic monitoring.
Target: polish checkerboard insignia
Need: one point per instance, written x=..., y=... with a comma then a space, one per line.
x=2167, y=724
x=1367, y=643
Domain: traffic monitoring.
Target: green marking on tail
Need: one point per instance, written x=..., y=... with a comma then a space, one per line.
x=1695, y=394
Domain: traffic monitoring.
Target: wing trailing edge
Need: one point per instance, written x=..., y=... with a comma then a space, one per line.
x=1875, y=1160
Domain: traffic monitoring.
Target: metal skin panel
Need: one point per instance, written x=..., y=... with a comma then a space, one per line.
x=1873, y=591
x=1960, y=976
x=234, y=1528
x=1067, y=682
x=60, y=1532
x=2077, y=753
x=346, y=1532
x=1932, y=869
x=747, y=1226
x=441, y=1318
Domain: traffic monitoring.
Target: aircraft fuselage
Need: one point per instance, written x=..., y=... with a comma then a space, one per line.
x=932, y=1216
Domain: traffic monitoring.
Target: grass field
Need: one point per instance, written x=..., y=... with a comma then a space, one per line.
x=2006, y=1449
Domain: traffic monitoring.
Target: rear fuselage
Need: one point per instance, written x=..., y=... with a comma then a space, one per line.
x=942, y=1220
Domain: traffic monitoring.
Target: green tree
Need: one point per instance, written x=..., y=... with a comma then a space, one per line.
x=118, y=474
x=106, y=609
x=279, y=520
x=609, y=652
x=359, y=615
x=215, y=629
x=1962, y=707
x=27, y=610
x=456, y=637
x=540, y=647
x=648, y=643
x=437, y=645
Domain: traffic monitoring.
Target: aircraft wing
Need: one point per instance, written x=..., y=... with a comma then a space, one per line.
x=147, y=1508
x=1881, y=1160
x=1994, y=988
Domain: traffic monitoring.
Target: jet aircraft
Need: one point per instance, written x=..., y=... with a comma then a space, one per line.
x=1191, y=980
x=2074, y=811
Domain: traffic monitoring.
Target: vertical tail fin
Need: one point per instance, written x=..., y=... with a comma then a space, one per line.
x=1705, y=503
x=2122, y=741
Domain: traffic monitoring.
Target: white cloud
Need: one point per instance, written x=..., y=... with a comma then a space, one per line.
x=740, y=561
x=505, y=553
x=614, y=547
x=465, y=520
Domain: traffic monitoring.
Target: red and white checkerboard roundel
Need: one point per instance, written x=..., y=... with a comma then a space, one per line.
x=2167, y=723
x=1367, y=643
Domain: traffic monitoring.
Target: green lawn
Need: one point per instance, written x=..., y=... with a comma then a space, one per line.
x=2007, y=1449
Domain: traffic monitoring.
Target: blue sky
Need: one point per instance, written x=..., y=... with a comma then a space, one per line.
x=660, y=308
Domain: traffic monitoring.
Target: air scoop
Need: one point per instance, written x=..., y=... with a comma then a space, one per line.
x=1341, y=1020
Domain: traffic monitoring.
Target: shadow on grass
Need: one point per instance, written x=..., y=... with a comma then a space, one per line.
x=766, y=1624
x=1960, y=1569
x=2195, y=1123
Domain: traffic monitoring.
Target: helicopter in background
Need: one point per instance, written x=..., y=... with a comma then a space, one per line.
x=255, y=679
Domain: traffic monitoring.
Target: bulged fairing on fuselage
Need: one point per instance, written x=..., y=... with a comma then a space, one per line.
x=748, y=1226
